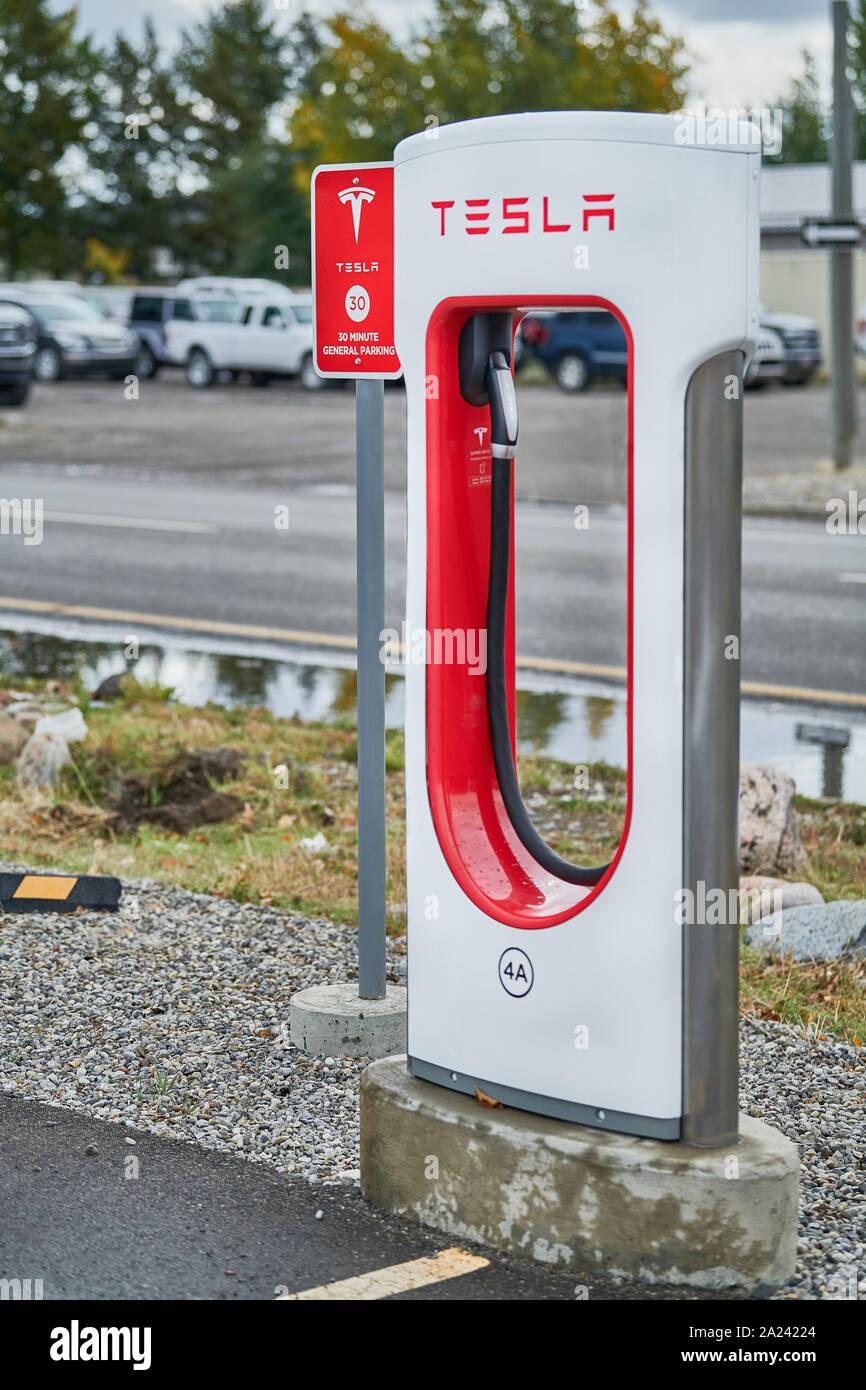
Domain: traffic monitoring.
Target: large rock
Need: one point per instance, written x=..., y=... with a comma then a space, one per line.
x=761, y=897
x=13, y=737
x=40, y=762
x=769, y=834
x=823, y=932
x=28, y=712
x=69, y=724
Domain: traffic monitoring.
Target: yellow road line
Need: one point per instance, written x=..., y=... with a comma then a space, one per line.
x=383, y=1283
x=571, y=668
x=798, y=692
x=298, y=637
x=120, y=615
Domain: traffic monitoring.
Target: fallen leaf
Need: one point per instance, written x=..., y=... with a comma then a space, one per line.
x=487, y=1101
x=764, y=1011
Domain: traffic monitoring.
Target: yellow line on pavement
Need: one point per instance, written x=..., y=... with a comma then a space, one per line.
x=384, y=1283
x=299, y=637
x=120, y=615
x=571, y=668
x=804, y=692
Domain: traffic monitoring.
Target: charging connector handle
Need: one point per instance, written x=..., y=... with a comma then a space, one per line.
x=503, y=406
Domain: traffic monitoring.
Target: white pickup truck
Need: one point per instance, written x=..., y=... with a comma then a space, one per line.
x=266, y=336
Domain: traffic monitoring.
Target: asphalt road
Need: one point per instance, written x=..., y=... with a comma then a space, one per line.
x=571, y=447
x=196, y=1224
x=125, y=541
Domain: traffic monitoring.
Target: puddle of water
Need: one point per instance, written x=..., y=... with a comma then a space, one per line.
x=579, y=721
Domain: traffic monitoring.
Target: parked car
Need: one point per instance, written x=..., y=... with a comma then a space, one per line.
x=801, y=341
x=239, y=287
x=860, y=339
x=111, y=301
x=75, y=339
x=42, y=286
x=266, y=339
x=576, y=346
x=768, y=362
x=114, y=301
x=149, y=313
x=18, y=334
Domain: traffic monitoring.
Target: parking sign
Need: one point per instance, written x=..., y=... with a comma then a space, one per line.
x=353, y=271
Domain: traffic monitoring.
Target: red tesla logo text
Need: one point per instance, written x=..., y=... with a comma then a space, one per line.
x=517, y=216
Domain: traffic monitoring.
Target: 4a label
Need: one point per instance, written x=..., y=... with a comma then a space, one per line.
x=515, y=972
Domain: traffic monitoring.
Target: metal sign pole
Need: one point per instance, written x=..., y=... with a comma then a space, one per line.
x=370, y=451
x=841, y=257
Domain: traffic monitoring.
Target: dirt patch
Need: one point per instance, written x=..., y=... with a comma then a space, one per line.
x=182, y=799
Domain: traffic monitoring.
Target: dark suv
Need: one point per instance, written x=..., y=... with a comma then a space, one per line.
x=149, y=312
x=74, y=339
x=18, y=333
x=576, y=346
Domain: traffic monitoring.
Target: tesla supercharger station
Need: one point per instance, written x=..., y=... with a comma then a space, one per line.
x=575, y=991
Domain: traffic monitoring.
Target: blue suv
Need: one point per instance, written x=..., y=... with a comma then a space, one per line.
x=576, y=346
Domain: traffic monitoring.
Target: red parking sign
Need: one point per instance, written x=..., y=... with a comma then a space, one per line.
x=353, y=270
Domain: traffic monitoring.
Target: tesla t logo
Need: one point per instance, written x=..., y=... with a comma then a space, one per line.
x=516, y=216
x=479, y=432
x=356, y=198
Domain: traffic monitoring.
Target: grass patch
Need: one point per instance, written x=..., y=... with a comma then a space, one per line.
x=827, y=998
x=298, y=781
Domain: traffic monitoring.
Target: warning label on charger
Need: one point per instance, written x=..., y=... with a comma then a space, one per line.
x=353, y=270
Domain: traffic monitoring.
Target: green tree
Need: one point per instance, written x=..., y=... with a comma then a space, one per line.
x=233, y=71
x=46, y=100
x=542, y=55
x=857, y=68
x=139, y=153
x=270, y=215
x=234, y=68
x=805, y=120
x=363, y=92
x=360, y=96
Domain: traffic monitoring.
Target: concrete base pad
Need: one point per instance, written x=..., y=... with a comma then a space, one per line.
x=332, y=1021
x=578, y=1198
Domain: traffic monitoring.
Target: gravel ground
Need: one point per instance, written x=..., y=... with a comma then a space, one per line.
x=172, y=1016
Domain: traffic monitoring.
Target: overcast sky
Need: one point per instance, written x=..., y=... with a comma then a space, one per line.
x=737, y=59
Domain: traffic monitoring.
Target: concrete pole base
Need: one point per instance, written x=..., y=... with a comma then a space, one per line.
x=578, y=1198
x=332, y=1021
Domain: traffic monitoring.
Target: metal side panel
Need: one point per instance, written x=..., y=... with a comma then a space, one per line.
x=620, y=1121
x=711, y=744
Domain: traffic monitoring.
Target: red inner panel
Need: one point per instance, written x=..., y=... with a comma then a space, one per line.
x=479, y=843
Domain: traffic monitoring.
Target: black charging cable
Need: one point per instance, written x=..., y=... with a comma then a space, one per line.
x=501, y=394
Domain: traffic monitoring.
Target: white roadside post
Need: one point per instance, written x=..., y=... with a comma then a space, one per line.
x=353, y=317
